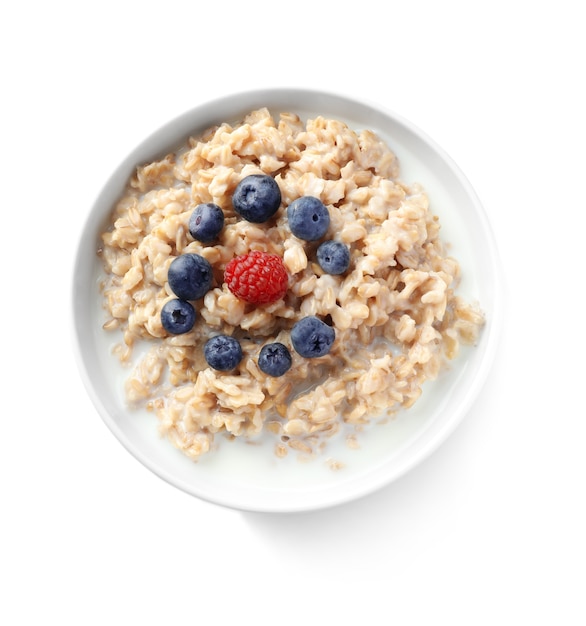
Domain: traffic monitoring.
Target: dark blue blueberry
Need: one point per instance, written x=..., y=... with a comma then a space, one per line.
x=311, y=337
x=222, y=352
x=190, y=276
x=257, y=198
x=206, y=222
x=177, y=316
x=308, y=217
x=333, y=257
x=274, y=359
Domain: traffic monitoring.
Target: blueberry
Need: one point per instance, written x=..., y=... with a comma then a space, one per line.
x=308, y=217
x=257, y=198
x=274, y=359
x=311, y=337
x=206, y=222
x=190, y=276
x=222, y=352
x=333, y=257
x=177, y=316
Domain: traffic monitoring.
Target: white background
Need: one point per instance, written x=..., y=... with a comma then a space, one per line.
x=491, y=528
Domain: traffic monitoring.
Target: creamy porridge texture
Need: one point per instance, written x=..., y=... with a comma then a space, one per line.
x=394, y=311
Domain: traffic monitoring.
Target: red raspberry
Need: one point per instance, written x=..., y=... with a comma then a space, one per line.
x=257, y=277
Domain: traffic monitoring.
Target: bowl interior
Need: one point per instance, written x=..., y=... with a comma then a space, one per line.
x=247, y=475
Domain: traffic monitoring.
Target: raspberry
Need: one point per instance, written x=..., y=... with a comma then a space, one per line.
x=257, y=277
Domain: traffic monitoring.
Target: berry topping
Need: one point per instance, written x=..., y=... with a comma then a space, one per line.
x=206, y=222
x=333, y=257
x=222, y=352
x=308, y=217
x=257, y=198
x=257, y=277
x=190, y=276
x=177, y=316
x=311, y=337
x=274, y=359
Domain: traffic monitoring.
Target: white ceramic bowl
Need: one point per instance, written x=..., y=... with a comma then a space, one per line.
x=250, y=477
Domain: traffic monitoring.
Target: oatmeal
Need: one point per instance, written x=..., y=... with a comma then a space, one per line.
x=386, y=302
